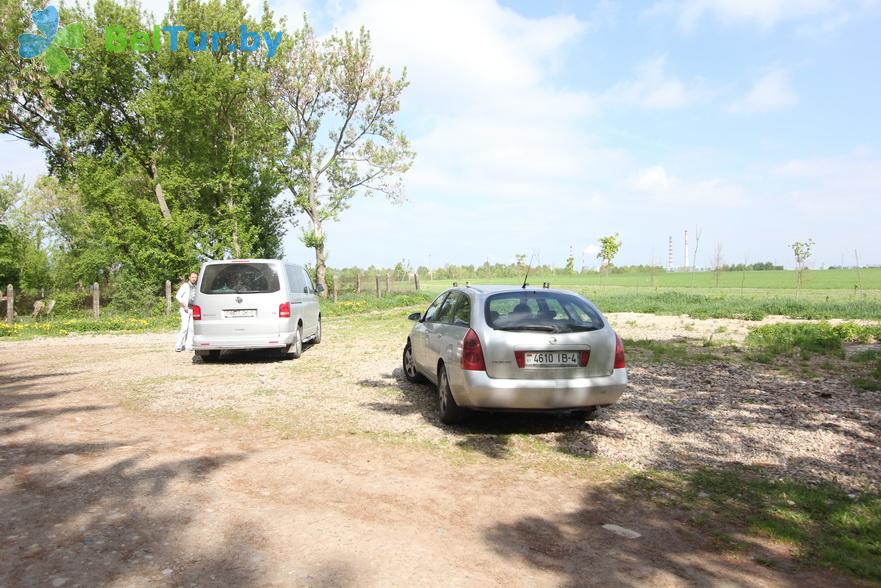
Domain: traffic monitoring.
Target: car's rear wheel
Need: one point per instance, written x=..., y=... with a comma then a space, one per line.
x=295, y=349
x=317, y=338
x=410, y=371
x=450, y=413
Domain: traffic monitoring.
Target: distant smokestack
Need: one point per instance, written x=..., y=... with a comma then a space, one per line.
x=686, y=248
x=670, y=254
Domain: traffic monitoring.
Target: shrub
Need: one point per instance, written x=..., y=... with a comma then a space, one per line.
x=808, y=338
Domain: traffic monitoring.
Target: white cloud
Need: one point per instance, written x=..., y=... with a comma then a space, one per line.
x=848, y=182
x=662, y=187
x=764, y=14
x=773, y=91
x=654, y=88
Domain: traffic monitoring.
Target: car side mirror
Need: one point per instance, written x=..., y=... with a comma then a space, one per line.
x=319, y=288
x=415, y=316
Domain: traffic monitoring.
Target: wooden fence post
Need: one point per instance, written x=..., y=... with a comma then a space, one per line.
x=10, y=303
x=335, y=282
x=96, y=300
x=358, y=284
x=388, y=284
x=416, y=281
x=167, y=297
x=378, y=291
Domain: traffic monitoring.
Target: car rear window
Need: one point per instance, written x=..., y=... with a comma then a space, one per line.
x=551, y=312
x=239, y=278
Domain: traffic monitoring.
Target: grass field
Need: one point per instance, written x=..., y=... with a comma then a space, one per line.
x=750, y=295
x=866, y=280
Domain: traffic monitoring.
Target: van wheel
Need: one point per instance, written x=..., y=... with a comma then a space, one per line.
x=317, y=338
x=208, y=356
x=450, y=413
x=295, y=350
x=410, y=371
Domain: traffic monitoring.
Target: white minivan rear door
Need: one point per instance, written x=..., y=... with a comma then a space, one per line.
x=240, y=298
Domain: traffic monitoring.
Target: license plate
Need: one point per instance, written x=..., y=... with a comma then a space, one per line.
x=251, y=313
x=552, y=359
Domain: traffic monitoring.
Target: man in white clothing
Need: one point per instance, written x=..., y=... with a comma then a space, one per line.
x=186, y=294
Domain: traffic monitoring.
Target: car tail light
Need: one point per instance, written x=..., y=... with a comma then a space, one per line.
x=619, y=353
x=585, y=357
x=284, y=310
x=472, y=353
x=197, y=313
x=520, y=356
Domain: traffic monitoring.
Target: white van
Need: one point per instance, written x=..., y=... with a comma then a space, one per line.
x=254, y=304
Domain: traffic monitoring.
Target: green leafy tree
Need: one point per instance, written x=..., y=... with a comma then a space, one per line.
x=801, y=250
x=11, y=239
x=342, y=140
x=609, y=247
x=172, y=155
x=570, y=264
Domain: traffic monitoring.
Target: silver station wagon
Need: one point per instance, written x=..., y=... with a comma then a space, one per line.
x=510, y=348
x=254, y=304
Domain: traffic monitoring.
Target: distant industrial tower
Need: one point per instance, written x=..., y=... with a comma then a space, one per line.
x=670, y=254
x=686, y=248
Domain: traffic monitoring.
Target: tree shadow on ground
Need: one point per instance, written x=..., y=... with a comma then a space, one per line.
x=93, y=514
x=671, y=549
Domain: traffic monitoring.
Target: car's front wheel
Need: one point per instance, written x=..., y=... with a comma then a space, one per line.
x=450, y=413
x=409, y=364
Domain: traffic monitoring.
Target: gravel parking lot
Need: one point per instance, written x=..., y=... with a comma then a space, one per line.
x=712, y=413
x=124, y=463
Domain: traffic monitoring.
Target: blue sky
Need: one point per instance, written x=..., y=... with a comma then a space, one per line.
x=540, y=127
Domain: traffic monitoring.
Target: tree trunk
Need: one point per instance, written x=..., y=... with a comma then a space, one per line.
x=236, y=247
x=160, y=193
x=320, y=257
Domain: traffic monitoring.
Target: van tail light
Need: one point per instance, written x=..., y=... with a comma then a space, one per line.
x=619, y=353
x=197, y=313
x=472, y=352
x=284, y=310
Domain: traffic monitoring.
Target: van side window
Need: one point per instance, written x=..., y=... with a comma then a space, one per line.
x=295, y=279
x=307, y=281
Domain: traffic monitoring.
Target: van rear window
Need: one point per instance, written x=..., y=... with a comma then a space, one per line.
x=550, y=312
x=239, y=278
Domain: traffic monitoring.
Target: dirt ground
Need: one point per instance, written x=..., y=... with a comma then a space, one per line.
x=125, y=464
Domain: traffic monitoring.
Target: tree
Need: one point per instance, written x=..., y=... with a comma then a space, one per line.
x=802, y=252
x=570, y=262
x=609, y=247
x=172, y=155
x=718, y=261
x=11, y=239
x=338, y=110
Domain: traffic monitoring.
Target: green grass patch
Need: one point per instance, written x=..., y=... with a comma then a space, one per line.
x=361, y=303
x=26, y=328
x=824, y=523
x=668, y=352
x=806, y=339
